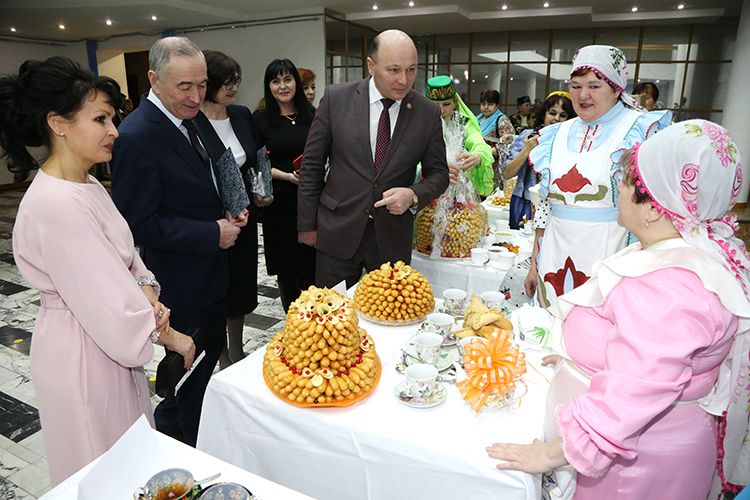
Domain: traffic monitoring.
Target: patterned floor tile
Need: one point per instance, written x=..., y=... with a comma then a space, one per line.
x=17, y=419
x=8, y=288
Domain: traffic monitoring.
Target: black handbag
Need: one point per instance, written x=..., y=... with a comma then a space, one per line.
x=172, y=368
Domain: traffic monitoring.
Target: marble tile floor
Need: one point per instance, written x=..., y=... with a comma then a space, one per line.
x=23, y=468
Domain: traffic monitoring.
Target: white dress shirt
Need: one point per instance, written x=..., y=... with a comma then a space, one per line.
x=376, y=108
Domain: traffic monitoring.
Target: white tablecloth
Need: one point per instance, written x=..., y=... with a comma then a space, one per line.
x=169, y=453
x=457, y=273
x=377, y=449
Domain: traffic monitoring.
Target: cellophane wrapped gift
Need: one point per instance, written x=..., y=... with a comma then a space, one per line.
x=260, y=176
x=456, y=222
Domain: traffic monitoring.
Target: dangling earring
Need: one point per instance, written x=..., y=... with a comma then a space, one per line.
x=60, y=134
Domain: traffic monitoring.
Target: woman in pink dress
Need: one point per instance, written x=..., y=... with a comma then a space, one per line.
x=99, y=311
x=656, y=344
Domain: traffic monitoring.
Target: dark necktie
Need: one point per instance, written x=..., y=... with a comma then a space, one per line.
x=193, y=135
x=384, y=134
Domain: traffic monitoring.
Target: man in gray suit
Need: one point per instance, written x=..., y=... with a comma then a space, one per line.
x=373, y=132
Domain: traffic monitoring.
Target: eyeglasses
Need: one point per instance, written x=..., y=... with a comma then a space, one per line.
x=234, y=82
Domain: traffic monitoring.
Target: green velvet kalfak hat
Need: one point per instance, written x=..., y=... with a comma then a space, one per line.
x=440, y=88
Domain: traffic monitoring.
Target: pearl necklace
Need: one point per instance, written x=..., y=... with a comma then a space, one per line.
x=291, y=118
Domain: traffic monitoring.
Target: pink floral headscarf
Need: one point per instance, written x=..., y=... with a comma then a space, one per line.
x=693, y=172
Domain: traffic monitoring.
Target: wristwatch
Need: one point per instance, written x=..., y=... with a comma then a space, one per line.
x=414, y=203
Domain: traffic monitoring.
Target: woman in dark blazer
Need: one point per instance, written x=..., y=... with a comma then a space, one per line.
x=223, y=125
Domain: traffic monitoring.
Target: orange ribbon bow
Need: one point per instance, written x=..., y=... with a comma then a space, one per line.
x=491, y=367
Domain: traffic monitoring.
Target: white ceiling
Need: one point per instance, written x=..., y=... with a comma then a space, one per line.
x=85, y=19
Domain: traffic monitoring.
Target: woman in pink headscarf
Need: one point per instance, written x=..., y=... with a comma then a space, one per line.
x=655, y=344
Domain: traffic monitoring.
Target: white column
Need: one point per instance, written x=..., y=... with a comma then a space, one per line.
x=735, y=108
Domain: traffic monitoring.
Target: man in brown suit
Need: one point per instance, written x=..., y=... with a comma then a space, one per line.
x=373, y=132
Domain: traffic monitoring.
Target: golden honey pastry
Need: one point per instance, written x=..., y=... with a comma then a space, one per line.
x=322, y=357
x=464, y=229
x=394, y=294
x=482, y=321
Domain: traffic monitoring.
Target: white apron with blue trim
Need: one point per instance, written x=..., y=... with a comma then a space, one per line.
x=582, y=226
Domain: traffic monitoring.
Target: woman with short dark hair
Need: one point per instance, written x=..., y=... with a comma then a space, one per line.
x=224, y=124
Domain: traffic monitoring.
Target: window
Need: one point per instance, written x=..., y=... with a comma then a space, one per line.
x=690, y=64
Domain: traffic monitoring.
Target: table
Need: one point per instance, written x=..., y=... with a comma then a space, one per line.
x=160, y=452
x=457, y=273
x=445, y=273
x=377, y=449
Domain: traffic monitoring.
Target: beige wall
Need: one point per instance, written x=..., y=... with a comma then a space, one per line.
x=114, y=67
x=254, y=47
x=15, y=53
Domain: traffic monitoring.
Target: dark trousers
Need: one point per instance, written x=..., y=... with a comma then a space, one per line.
x=291, y=285
x=178, y=416
x=330, y=270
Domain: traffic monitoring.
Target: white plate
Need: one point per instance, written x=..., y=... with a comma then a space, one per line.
x=437, y=397
x=444, y=361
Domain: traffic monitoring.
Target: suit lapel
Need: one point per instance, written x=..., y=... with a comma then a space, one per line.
x=362, y=104
x=177, y=140
x=402, y=124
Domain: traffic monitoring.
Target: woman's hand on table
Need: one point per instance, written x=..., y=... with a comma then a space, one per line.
x=551, y=359
x=534, y=458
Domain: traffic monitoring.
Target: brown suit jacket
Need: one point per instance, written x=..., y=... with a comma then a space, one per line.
x=339, y=208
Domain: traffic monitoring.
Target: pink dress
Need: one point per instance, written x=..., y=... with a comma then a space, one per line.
x=652, y=348
x=91, y=338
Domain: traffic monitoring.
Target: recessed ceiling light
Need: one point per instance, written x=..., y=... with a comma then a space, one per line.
x=511, y=78
x=61, y=26
x=657, y=81
x=154, y=18
x=545, y=4
x=681, y=6
x=486, y=76
x=473, y=81
x=374, y=6
x=13, y=29
x=109, y=22
x=411, y=4
x=634, y=9
x=504, y=7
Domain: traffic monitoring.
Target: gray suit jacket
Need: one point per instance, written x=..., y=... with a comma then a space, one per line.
x=339, y=208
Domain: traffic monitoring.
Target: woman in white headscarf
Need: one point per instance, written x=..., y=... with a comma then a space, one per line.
x=576, y=224
x=656, y=344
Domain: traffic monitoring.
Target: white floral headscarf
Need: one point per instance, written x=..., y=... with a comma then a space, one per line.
x=693, y=172
x=610, y=64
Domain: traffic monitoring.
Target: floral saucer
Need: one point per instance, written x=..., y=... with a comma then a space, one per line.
x=511, y=400
x=437, y=397
x=445, y=360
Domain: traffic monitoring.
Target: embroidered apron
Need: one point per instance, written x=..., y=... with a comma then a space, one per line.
x=582, y=227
